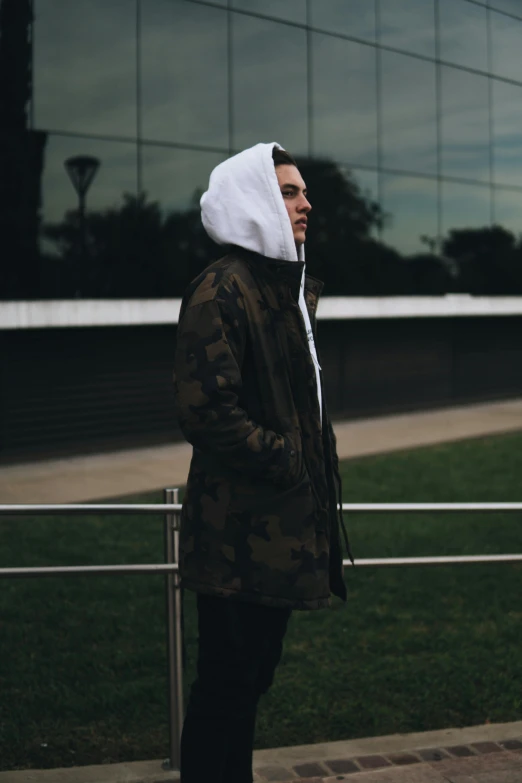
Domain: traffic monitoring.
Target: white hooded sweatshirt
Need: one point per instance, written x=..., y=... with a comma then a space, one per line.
x=243, y=206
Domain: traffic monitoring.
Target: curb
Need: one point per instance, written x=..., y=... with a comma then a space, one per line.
x=328, y=761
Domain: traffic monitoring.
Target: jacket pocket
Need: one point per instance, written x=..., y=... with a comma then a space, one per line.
x=275, y=528
x=267, y=497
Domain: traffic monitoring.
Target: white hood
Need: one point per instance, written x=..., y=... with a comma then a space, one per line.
x=243, y=206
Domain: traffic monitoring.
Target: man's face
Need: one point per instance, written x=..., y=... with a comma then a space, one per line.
x=293, y=190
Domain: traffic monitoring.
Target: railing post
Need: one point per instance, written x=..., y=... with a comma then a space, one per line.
x=174, y=632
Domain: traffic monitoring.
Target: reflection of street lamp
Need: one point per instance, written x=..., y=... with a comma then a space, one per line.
x=82, y=170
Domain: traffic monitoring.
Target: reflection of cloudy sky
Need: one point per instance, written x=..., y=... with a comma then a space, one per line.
x=463, y=34
x=409, y=24
x=270, y=87
x=464, y=125
x=507, y=133
x=408, y=113
x=465, y=206
x=292, y=10
x=85, y=63
x=85, y=82
x=184, y=73
x=411, y=203
x=368, y=184
x=348, y=18
x=509, y=6
x=508, y=210
x=344, y=100
x=172, y=176
x=506, y=34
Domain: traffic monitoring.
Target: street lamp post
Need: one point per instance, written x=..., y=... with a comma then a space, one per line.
x=82, y=169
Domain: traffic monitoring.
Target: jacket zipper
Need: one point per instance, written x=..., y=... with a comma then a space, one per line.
x=284, y=355
x=315, y=493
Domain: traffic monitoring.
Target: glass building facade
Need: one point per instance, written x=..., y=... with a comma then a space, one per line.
x=405, y=116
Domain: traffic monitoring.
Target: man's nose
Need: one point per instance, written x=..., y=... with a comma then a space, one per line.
x=305, y=205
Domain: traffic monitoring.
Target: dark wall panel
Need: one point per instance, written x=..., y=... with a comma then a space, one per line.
x=392, y=365
x=73, y=391
x=489, y=355
x=77, y=390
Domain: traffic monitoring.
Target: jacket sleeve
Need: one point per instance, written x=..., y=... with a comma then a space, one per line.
x=207, y=379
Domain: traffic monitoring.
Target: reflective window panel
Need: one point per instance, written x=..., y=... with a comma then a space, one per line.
x=408, y=25
x=368, y=184
x=292, y=10
x=509, y=6
x=408, y=113
x=506, y=44
x=344, y=100
x=508, y=210
x=85, y=66
x=184, y=73
x=464, y=124
x=465, y=206
x=174, y=177
x=410, y=205
x=507, y=137
x=269, y=78
x=463, y=34
x=346, y=17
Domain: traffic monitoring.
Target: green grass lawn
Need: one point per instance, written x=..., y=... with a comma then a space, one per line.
x=82, y=660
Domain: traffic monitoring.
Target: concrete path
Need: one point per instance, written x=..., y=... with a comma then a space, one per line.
x=490, y=753
x=94, y=477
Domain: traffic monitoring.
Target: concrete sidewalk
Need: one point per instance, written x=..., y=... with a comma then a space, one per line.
x=490, y=753
x=109, y=475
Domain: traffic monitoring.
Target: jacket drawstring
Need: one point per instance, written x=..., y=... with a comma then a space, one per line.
x=340, y=510
x=285, y=357
x=334, y=468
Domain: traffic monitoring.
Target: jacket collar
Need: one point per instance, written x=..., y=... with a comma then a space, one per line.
x=278, y=271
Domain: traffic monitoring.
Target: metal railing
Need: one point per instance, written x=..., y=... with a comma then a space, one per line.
x=171, y=508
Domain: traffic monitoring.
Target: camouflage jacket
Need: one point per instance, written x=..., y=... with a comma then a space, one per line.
x=259, y=521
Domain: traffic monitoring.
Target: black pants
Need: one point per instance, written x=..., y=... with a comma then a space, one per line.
x=240, y=645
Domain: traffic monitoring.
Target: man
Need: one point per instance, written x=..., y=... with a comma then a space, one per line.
x=260, y=525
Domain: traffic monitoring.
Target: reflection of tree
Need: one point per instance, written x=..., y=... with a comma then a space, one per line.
x=342, y=249
x=132, y=251
x=489, y=260
x=136, y=249
x=21, y=154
